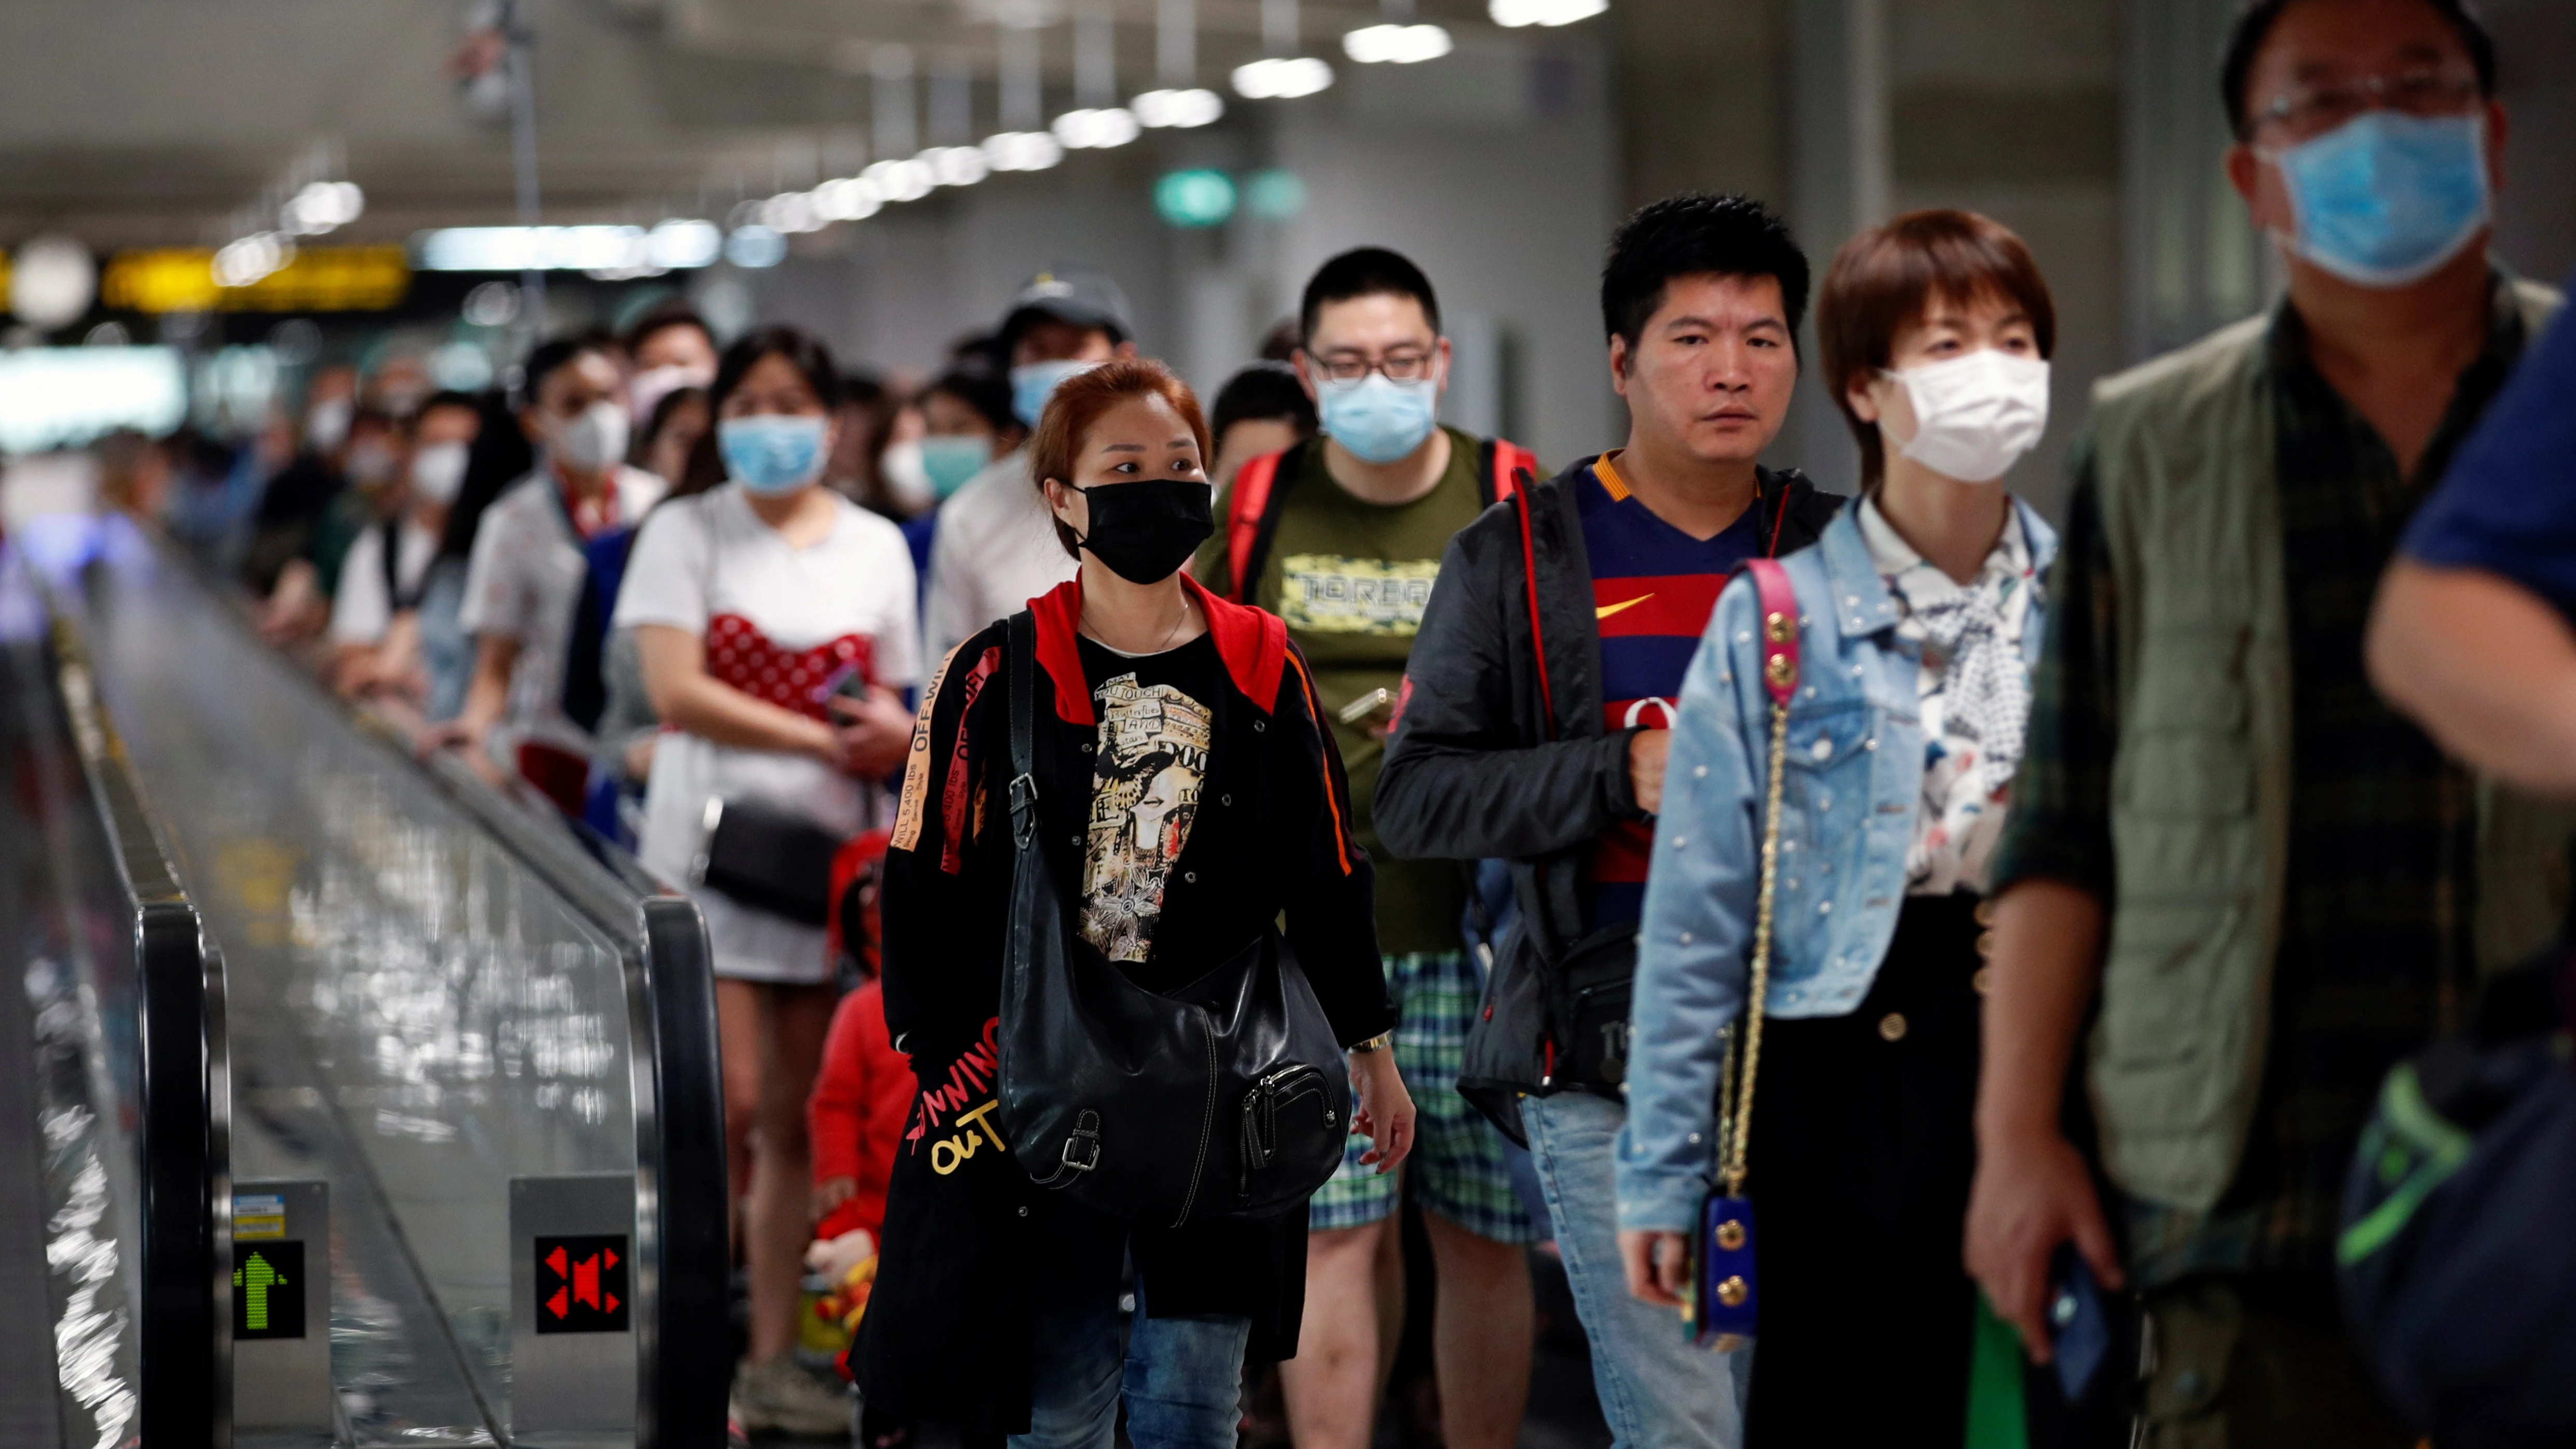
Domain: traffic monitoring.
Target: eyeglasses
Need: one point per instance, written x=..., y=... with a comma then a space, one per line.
x=1404, y=365
x=2314, y=110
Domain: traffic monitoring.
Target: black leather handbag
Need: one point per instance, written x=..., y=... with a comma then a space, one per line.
x=1227, y=1098
x=763, y=856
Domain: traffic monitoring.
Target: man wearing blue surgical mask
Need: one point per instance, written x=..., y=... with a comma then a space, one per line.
x=995, y=548
x=2287, y=911
x=1341, y=535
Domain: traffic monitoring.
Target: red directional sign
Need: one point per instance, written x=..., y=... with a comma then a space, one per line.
x=581, y=1284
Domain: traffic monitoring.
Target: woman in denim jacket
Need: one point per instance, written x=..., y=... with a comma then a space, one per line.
x=1920, y=616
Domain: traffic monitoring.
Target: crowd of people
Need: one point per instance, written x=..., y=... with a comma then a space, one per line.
x=2024, y=919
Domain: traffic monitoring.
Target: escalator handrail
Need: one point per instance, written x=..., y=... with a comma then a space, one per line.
x=185, y=1339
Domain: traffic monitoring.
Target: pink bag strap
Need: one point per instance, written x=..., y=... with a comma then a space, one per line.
x=1779, y=632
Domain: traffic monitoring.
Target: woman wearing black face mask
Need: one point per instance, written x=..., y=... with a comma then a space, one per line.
x=1185, y=799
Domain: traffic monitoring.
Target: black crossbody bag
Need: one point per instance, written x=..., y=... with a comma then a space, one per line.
x=1227, y=1098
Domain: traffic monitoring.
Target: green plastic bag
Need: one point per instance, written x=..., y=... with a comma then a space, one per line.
x=1995, y=1416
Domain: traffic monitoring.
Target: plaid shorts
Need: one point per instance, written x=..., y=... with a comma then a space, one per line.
x=1457, y=1164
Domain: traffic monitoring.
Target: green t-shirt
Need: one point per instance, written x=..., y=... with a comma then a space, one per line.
x=1351, y=579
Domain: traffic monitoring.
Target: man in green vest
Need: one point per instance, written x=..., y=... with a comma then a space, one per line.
x=2237, y=887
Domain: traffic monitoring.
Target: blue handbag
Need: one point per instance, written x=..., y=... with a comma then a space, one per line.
x=1723, y=1303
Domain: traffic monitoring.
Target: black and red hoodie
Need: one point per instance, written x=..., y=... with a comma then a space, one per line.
x=946, y=1334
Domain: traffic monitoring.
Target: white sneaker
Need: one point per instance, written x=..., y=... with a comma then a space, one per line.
x=777, y=1397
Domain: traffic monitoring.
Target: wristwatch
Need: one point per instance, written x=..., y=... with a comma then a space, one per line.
x=1378, y=1042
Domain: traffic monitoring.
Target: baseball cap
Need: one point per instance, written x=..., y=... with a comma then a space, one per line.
x=1075, y=295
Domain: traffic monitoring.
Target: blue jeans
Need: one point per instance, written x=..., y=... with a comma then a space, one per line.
x=1182, y=1377
x=1657, y=1390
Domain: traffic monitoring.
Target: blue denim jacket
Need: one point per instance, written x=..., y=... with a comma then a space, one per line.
x=1852, y=784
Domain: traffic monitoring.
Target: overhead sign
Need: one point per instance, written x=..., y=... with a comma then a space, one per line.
x=318, y=279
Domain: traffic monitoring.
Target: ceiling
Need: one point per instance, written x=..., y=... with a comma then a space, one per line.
x=158, y=122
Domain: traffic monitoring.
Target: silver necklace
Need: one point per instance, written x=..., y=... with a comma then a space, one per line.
x=1173, y=633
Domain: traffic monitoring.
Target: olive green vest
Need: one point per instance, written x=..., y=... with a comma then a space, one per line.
x=2201, y=778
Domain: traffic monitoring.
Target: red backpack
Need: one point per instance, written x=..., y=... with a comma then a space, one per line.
x=1253, y=504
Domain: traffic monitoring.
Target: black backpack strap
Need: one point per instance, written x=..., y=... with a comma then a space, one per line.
x=395, y=601
x=1021, y=644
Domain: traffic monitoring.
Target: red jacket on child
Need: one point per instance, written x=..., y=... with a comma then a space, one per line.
x=855, y=1117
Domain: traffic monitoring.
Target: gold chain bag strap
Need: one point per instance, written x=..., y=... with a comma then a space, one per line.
x=1722, y=1305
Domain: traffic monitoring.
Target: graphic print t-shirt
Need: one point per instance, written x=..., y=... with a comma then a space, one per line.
x=1351, y=579
x=1156, y=725
x=1653, y=588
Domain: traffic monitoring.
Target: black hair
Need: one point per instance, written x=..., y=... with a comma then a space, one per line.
x=1695, y=234
x=499, y=456
x=1263, y=390
x=1364, y=272
x=803, y=351
x=2254, y=26
x=662, y=317
x=983, y=390
x=865, y=389
x=667, y=408
x=554, y=355
x=446, y=397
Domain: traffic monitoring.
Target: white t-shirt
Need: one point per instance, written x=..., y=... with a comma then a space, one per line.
x=362, y=612
x=773, y=616
x=523, y=582
x=994, y=551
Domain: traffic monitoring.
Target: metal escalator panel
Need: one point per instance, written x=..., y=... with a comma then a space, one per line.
x=459, y=1039
x=110, y=1143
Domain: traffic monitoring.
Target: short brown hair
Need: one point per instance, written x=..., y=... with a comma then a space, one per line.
x=1078, y=402
x=1884, y=281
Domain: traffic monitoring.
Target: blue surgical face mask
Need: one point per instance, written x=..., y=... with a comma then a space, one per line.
x=1033, y=383
x=1377, y=418
x=772, y=453
x=953, y=460
x=2386, y=198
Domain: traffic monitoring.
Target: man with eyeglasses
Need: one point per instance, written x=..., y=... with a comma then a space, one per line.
x=2252, y=885
x=1341, y=536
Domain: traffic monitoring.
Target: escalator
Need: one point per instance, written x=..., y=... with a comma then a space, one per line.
x=461, y=1177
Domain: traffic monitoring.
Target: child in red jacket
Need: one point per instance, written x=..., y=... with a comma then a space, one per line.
x=853, y=1122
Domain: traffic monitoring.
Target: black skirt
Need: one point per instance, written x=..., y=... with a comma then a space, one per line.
x=1860, y=1163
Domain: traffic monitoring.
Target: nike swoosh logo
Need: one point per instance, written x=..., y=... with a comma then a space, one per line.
x=1606, y=610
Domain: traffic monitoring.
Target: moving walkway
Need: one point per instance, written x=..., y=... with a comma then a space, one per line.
x=364, y=1106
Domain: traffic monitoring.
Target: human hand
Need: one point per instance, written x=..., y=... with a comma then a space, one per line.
x=830, y=1193
x=871, y=736
x=1646, y=752
x=835, y=1257
x=1384, y=1113
x=1657, y=1263
x=2032, y=1193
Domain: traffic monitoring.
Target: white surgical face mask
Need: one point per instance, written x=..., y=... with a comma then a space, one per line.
x=438, y=473
x=1975, y=415
x=907, y=478
x=593, y=440
x=645, y=391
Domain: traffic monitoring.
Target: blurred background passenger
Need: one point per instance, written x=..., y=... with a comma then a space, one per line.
x=966, y=423
x=499, y=457
x=996, y=548
x=371, y=463
x=1262, y=409
x=291, y=503
x=669, y=348
x=776, y=624
x=375, y=632
x=678, y=423
x=523, y=579
x=876, y=460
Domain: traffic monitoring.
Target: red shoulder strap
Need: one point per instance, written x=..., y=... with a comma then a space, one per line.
x=1538, y=636
x=1779, y=628
x=1509, y=459
x=1245, y=503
